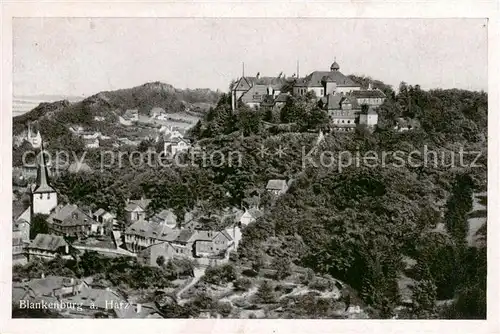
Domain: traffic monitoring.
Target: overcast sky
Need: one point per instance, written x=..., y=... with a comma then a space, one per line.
x=81, y=56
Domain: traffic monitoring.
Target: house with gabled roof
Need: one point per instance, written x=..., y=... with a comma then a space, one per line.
x=47, y=246
x=277, y=187
x=57, y=287
x=70, y=220
x=136, y=209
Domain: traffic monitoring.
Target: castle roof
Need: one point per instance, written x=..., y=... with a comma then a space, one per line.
x=255, y=94
x=316, y=79
x=374, y=93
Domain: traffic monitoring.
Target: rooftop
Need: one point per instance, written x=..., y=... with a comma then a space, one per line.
x=137, y=203
x=153, y=230
x=45, y=286
x=276, y=185
x=316, y=79
x=71, y=215
x=374, y=93
x=48, y=242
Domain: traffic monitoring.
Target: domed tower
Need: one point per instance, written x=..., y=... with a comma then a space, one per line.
x=335, y=66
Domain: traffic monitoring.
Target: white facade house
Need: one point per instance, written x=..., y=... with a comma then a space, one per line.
x=175, y=145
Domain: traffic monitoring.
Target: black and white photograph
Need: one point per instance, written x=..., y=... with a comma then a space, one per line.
x=249, y=168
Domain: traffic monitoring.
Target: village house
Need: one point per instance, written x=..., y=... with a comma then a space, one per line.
x=211, y=243
x=70, y=220
x=175, y=145
x=277, y=187
x=142, y=234
x=193, y=244
x=104, y=217
x=20, y=232
x=136, y=210
x=165, y=217
x=107, y=303
x=149, y=255
x=46, y=288
x=249, y=216
x=47, y=246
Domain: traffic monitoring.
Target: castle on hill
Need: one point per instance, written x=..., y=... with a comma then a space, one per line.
x=341, y=97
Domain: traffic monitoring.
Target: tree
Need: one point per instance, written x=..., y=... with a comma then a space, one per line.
x=220, y=274
x=39, y=225
x=265, y=294
x=248, y=121
x=160, y=260
x=283, y=267
x=424, y=299
x=457, y=207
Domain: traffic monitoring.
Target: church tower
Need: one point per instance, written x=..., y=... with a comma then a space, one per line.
x=43, y=196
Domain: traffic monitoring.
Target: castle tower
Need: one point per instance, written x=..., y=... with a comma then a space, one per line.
x=335, y=66
x=43, y=196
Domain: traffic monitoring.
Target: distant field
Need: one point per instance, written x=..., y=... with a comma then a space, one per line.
x=181, y=120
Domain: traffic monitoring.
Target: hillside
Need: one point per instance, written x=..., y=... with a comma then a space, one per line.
x=114, y=103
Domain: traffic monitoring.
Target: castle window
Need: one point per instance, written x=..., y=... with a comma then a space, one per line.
x=322, y=92
x=48, y=196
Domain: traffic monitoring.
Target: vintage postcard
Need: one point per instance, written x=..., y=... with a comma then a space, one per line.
x=248, y=168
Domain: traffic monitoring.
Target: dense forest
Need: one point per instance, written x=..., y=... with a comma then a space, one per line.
x=360, y=225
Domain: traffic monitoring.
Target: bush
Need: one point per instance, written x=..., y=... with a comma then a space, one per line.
x=321, y=284
x=224, y=308
x=220, y=274
x=242, y=284
x=283, y=267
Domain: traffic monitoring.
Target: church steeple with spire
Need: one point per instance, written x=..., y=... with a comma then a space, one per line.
x=43, y=196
